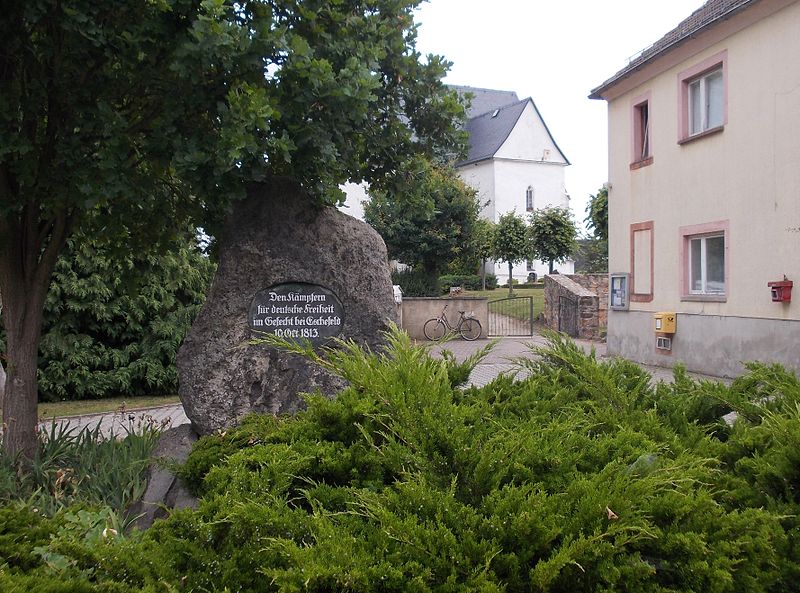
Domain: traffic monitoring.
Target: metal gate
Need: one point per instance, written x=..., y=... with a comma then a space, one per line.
x=511, y=317
x=568, y=316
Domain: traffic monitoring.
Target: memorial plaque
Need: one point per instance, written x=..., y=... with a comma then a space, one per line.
x=297, y=311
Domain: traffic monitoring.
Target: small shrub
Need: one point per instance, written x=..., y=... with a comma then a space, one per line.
x=468, y=282
x=584, y=476
x=81, y=467
x=415, y=283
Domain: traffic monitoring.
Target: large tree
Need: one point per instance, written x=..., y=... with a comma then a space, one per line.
x=426, y=215
x=134, y=116
x=553, y=234
x=511, y=242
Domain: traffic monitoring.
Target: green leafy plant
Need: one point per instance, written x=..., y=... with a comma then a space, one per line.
x=114, y=319
x=467, y=281
x=82, y=467
x=414, y=283
x=583, y=476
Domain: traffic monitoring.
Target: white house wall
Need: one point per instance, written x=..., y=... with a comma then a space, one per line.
x=512, y=179
x=356, y=194
x=480, y=177
x=530, y=140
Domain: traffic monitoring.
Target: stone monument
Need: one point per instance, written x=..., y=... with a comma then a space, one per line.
x=291, y=269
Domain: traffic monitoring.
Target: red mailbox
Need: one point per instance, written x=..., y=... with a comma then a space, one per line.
x=781, y=291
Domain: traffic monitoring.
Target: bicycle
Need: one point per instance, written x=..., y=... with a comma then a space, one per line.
x=467, y=327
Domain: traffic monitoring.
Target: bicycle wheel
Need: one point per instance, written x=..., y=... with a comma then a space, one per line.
x=470, y=329
x=434, y=329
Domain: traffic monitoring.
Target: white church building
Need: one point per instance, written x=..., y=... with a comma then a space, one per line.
x=513, y=163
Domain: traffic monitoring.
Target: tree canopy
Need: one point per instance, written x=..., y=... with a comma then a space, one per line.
x=511, y=242
x=597, y=214
x=592, y=252
x=135, y=117
x=427, y=217
x=553, y=234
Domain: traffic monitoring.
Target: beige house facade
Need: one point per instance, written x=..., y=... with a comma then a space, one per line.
x=704, y=191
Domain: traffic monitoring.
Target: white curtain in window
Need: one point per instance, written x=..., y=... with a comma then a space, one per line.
x=714, y=99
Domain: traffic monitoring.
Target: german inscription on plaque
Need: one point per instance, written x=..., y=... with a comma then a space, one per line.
x=297, y=311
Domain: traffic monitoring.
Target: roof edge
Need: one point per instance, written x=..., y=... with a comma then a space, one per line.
x=645, y=60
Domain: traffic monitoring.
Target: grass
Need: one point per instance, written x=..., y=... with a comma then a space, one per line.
x=518, y=309
x=49, y=410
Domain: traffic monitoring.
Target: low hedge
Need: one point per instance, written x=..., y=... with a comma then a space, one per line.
x=467, y=281
x=416, y=284
x=582, y=476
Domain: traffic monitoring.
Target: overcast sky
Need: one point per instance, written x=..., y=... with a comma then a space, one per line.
x=555, y=52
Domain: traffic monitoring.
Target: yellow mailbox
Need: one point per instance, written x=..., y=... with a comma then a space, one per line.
x=665, y=322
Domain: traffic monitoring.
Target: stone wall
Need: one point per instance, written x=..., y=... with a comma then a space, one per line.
x=417, y=310
x=598, y=284
x=590, y=294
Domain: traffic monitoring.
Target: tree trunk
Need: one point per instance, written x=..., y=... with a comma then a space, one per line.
x=2, y=383
x=28, y=253
x=23, y=308
x=2, y=367
x=483, y=275
x=551, y=266
x=510, y=278
x=20, y=399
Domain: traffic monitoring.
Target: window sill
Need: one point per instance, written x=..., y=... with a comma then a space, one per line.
x=643, y=163
x=699, y=135
x=706, y=298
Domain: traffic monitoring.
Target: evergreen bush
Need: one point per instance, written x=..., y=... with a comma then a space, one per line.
x=467, y=281
x=582, y=476
x=415, y=283
x=114, y=320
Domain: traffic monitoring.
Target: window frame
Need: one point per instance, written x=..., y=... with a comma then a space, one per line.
x=704, y=231
x=641, y=131
x=529, y=196
x=699, y=73
x=635, y=296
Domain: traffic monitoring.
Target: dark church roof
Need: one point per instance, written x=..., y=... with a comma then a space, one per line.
x=488, y=131
x=484, y=100
x=491, y=118
x=708, y=15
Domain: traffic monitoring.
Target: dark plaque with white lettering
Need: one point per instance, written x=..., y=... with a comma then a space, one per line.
x=297, y=311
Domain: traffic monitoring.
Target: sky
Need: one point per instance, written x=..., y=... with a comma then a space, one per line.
x=555, y=52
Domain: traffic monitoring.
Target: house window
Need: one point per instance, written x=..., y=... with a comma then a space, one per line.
x=705, y=102
x=643, y=139
x=641, y=142
x=529, y=199
x=707, y=265
x=704, y=261
x=703, y=98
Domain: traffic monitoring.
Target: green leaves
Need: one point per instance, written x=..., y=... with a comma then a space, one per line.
x=583, y=476
x=426, y=215
x=114, y=320
x=552, y=234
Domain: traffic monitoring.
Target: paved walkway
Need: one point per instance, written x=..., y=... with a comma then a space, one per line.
x=121, y=422
x=499, y=360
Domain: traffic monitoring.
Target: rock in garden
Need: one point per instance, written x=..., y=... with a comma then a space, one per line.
x=289, y=268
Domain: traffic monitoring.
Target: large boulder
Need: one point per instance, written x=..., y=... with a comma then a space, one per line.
x=277, y=237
